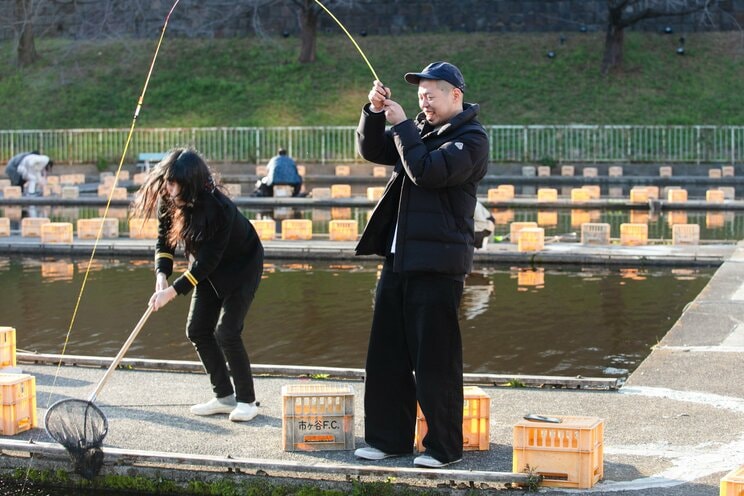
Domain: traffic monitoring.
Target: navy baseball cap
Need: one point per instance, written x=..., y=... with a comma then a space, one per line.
x=439, y=70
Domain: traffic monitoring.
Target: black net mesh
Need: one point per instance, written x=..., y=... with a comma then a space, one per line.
x=79, y=426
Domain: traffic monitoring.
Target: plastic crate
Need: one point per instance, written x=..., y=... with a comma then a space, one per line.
x=321, y=193
x=531, y=239
x=262, y=170
x=715, y=173
x=234, y=190
x=589, y=172
x=56, y=232
x=568, y=454
x=341, y=191
x=143, y=229
x=732, y=483
x=499, y=195
x=317, y=417
x=341, y=213
x=547, y=194
x=675, y=217
x=12, y=192
x=547, y=218
x=665, y=171
x=379, y=171
x=615, y=171
x=375, y=193
x=18, y=392
x=52, y=180
x=633, y=234
x=51, y=190
x=531, y=278
x=543, y=171
x=476, y=423
x=266, y=228
x=4, y=183
x=343, y=170
x=31, y=226
x=714, y=196
x=139, y=178
x=4, y=226
x=677, y=195
x=595, y=192
x=57, y=271
x=88, y=228
x=301, y=170
x=297, y=229
x=343, y=230
x=567, y=170
x=516, y=227
x=685, y=234
x=715, y=220
x=118, y=193
x=7, y=346
x=728, y=171
x=653, y=192
x=639, y=194
x=70, y=192
x=595, y=233
x=580, y=195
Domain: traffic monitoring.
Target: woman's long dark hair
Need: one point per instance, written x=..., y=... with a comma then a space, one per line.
x=188, y=223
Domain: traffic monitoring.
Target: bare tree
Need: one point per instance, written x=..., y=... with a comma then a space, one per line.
x=625, y=13
x=24, y=28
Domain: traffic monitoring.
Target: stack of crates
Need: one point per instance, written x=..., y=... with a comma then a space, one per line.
x=733, y=483
x=317, y=417
x=17, y=391
x=476, y=425
x=565, y=454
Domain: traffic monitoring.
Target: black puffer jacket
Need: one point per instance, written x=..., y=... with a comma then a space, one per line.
x=432, y=191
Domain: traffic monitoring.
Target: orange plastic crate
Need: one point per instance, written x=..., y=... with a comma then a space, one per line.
x=12, y=192
x=341, y=191
x=7, y=346
x=375, y=193
x=531, y=239
x=343, y=170
x=633, y=234
x=379, y=171
x=18, y=393
x=677, y=195
x=88, y=228
x=547, y=195
x=516, y=227
x=31, y=226
x=266, y=228
x=297, y=229
x=639, y=194
x=56, y=232
x=343, y=230
x=317, y=417
x=4, y=226
x=476, y=425
x=568, y=454
x=732, y=483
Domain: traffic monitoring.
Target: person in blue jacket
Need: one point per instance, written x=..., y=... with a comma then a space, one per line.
x=423, y=226
x=281, y=170
x=225, y=266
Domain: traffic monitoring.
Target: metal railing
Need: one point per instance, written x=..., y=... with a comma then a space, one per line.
x=336, y=144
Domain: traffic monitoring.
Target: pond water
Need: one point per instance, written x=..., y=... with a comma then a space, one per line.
x=596, y=322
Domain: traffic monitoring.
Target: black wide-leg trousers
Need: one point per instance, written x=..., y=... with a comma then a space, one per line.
x=415, y=328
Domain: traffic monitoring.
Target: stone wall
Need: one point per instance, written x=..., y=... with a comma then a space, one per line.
x=100, y=19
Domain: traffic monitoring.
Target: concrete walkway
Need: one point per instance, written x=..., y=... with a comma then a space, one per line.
x=674, y=428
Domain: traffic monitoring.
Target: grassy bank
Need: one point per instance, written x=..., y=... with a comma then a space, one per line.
x=250, y=82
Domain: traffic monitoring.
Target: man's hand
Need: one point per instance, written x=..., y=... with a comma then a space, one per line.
x=394, y=113
x=377, y=96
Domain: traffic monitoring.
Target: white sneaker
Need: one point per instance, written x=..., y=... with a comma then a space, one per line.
x=215, y=406
x=244, y=412
x=370, y=453
x=431, y=462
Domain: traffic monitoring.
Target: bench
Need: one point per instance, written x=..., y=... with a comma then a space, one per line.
x=145, y=160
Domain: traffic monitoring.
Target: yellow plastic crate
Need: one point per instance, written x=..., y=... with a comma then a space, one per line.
x=343, y=230
x=88, y=228
x=375, y=193
x=297, y=229
x=568, y=454
x=7, y=346
x=18, y=393
x=4, y=227
x=343, y=170
x=595, y=192
x=317, y=417
x=12, y=192
x=732, y=483
x=677, y=195
x=516, y=227
x=580, y=195
x=531, y=239
x=595, y=233
x=143, y=229
x=639, y=194
x=547, y=194
x=633, y=234
x=266, y=228
x=31, y=226
x=714, y=196
x=476, y=424
x=56, y=232
x=341, y=191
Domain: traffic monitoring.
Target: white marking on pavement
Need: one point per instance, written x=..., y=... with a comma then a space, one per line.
x=714, y=400
x=739, y=294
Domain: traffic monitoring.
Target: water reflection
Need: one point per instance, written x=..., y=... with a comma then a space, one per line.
x=567, y=321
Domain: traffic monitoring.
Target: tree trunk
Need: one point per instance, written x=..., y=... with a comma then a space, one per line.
x=308, y=33
x=26, y=48
x=613, y=52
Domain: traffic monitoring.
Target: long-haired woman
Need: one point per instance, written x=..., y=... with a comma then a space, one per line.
x=225, y=266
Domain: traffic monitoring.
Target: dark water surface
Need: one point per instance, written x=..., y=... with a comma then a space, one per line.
x=557, y=321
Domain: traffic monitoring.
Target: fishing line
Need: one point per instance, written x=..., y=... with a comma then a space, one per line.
x=128, y=141
x=350, y=37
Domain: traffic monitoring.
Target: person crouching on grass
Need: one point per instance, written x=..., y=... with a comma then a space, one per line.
x=225, y=266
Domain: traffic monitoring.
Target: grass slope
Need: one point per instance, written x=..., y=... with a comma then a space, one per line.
x=253, y=82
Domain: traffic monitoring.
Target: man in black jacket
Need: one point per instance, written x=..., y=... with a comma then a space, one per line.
x=423, y=225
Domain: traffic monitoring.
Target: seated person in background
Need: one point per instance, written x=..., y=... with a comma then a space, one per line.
x=27, y=170
x=281, y=170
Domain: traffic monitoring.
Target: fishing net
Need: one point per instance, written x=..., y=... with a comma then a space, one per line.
x=80, y=427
